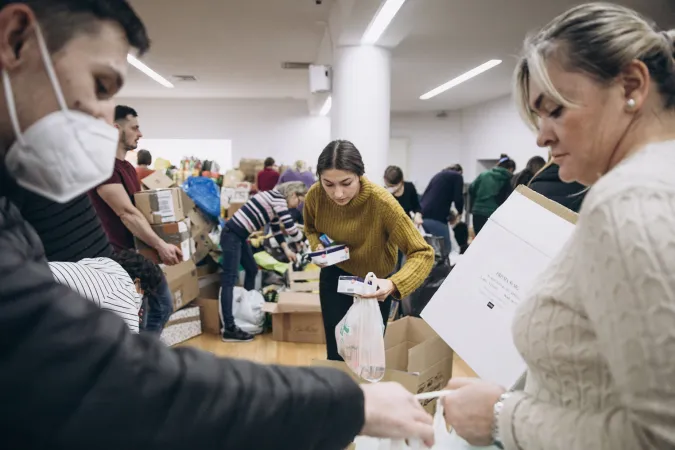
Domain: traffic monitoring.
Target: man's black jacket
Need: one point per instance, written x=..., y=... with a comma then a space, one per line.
x=74, y=377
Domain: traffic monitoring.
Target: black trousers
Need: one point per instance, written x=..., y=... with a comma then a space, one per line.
x=479, y=222
x=334, y=306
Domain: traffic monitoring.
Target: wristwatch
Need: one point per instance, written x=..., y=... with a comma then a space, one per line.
x=497, y=409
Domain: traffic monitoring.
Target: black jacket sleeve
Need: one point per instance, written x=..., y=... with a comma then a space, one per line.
x=74, y=377
x=459, y=194
x=414, y=197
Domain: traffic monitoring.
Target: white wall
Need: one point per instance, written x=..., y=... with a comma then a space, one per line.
x=257, y=128
x=492, y=128
x=434, y=143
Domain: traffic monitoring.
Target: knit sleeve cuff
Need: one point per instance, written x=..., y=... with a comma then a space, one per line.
x=507, y=421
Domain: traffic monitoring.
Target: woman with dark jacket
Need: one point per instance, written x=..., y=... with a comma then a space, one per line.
x=534, y=165
x=548, y=183
x=490, y=190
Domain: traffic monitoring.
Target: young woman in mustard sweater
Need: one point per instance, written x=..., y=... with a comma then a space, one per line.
x=353, y=211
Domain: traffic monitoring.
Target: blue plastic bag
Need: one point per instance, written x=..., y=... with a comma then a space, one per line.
x=204, y=192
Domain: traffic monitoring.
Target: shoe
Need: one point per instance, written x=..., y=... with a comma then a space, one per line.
x=236, y=334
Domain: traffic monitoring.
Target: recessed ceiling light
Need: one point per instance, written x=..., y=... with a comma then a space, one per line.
x=325, y=109
x=381, y=21
x=148, y=71
x=461, y=79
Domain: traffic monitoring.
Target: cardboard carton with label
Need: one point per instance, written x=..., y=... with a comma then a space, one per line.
x=183, y=283
x=176, y=233
x=161, y=205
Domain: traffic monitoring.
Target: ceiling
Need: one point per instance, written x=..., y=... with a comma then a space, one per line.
x=235, y=48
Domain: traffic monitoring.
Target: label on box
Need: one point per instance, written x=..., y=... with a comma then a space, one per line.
x=165, y=206
x=330, y=256
x=351, y=285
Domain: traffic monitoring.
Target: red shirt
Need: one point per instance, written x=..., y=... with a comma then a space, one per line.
x=143, y=172
x=120, y=237
x=267, y=179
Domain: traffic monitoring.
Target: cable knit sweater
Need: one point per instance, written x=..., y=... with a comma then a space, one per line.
x=374, y=226
x=598, y=333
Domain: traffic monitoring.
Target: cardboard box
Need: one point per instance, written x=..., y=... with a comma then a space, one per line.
x=176, y=233
x=161, y=205
x=251, y=167
x=232, y=177
x=305, y=281
x=297, y=318
x=208, y=267
x=232, y=209
x=157, y=180
x=209, y=291
x=182, y=326
x=416, y=357
x=183, y=283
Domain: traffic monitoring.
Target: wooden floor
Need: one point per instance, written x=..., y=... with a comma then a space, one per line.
x=264, y=350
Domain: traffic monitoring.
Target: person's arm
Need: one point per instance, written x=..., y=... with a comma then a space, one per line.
x=626, y=281
x=116, y=197
x=415, y=199
x=473, y=191
x=309, y=214
x=459, y=195
x=419, y=255
x=99, y=385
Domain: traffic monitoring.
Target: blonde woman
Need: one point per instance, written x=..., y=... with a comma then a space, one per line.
x=598, y=330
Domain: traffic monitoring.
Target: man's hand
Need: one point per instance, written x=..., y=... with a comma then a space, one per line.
x=291, y=255
x=169, y=254
x=393, y=413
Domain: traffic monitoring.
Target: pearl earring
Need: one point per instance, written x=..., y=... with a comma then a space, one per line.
x=630, y=103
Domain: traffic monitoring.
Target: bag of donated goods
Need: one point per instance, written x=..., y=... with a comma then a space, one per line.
x=360, y=335
x=445, y=439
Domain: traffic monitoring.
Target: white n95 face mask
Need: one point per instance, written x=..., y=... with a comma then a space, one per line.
x=65, y=153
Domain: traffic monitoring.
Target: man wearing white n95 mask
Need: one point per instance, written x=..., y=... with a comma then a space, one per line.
x=75, y=377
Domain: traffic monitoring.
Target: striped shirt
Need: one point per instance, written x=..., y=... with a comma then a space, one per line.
x=104, y=282
x=264, y=208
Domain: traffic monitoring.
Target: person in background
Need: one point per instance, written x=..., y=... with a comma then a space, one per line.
x=353, y=211
x=143, y=161
x=298, y=172
x=459, y=232
x=596, y=331
x=404, y=192
x=547, y=182
x=445, y=189
x=268, y=177
x=270, y=207
x=68, y=363
x=106, y=283
x=114, y=202
x=489, y=190
x=457, y=168
x=534, y=165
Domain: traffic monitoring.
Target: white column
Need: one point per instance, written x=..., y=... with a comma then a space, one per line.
x=362, y=103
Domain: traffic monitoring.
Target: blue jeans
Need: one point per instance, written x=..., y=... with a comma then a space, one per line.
x=235, y=251
x=440, y=229
x=159, y=309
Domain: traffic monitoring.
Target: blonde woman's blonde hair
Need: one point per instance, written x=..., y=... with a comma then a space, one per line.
x=300, y=166
x=292, y=187
x=600, y=40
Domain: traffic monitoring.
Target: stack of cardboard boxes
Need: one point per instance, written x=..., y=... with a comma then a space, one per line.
x=175, y=219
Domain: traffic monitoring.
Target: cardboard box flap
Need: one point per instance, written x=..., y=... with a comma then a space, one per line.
x=555, y=207
x=157, y=180
x=427, y=354
x=295, y=302
x=407, y=380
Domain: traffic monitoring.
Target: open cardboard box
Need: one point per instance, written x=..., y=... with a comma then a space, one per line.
x=157, y=180
x=416, y=357
x=183, y=283
x=296, y=317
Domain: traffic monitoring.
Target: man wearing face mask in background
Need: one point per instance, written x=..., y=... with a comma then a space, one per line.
x=114, y=202
x=78, y=373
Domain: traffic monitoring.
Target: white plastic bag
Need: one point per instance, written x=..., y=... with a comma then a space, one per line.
x=445, y=440
x=247, y=310
x=360, y=336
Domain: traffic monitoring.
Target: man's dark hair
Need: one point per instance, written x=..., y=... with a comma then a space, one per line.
x=141, y=268
x=393, y=175
x=269, y=162
x=122, y=112
x=506, y=162
x=60, y=20
x=341, y=155
x=143, y=158
x=456, y=168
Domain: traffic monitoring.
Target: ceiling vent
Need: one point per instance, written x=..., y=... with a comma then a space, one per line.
x=185, y=78
x=290, y=65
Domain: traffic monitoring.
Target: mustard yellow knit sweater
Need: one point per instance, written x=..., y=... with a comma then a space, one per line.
x=374, y=227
